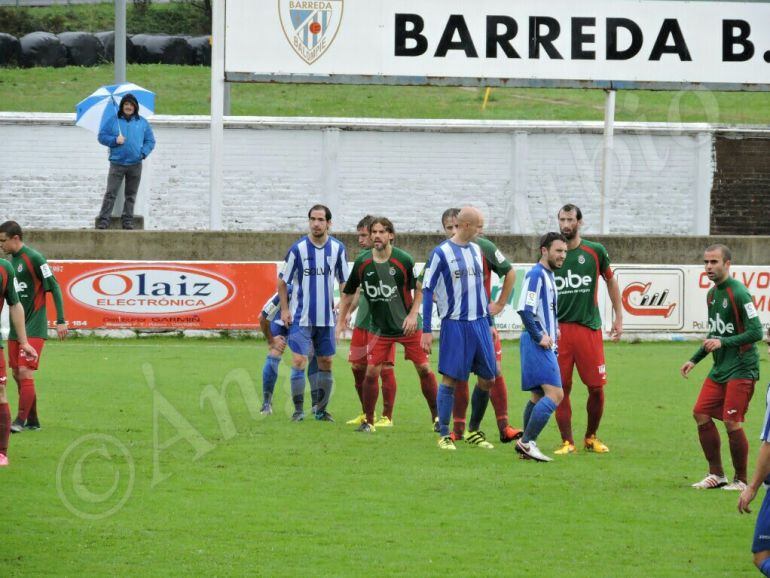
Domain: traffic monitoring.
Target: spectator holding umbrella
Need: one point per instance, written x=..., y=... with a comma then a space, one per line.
x=130, y=140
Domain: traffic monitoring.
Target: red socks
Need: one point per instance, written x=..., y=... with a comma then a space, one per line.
x=359, y=373
x=564, y=414
x=498, y=395
x=711, y=443
x=370, y=394
x=739, y=450
x=26, y=398
x=595, y=409
x=460, y=408
x=430, y=391
x=388, y=378
x=5, y=427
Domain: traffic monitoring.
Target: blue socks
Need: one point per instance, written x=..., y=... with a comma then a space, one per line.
x=297, y=388
x=528, y=412
x=764, y=567
x=325, y=382
x=479, y=403
x=538, y=418
x=445, y=401
x=269, y=377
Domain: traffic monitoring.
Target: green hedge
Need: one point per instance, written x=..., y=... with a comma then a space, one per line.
x=141, y=17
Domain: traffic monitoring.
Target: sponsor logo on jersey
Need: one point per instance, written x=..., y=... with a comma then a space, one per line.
x=379, y=291
x=310, y=26
x=639, y=299
x=151, y=290
x=18, y=285
x=46, y=271
x=719, y=326
x=570, y=280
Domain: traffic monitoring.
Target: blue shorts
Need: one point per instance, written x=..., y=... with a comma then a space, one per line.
x=465, y=347
x=538, y=366
x=310, y=341
x=762, y=527
x=278, y=330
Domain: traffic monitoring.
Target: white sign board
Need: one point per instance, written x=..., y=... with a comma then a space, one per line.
x=593, y=43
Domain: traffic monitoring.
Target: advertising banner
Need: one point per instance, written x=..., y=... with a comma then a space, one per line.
x=592, y=43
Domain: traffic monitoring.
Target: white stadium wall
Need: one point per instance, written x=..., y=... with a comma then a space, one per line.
x=52, y=174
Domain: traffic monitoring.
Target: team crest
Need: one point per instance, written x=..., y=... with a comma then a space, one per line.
x=392, y=272
x=310, y=26
x=724, y=303
x=581, y=260
x=19, y=268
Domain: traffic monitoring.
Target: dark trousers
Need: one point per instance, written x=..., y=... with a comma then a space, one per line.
x=132, y=174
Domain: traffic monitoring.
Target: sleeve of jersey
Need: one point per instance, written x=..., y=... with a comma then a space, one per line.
x=289, y=267
x=343, y=272
x=527, y=307
x=699, y=355
x=499, y=263
x=52, y=286
x=430, y=275
x=752, y=327
x=604, y=263
x=353, y=279
x=10, y=293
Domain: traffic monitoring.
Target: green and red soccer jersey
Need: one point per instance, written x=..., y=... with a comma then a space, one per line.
x=494, y=261
x=733, y=319
x=577, y=283
x=362, y=312
x=33, y=279
x=7, y=285
x=387, y=287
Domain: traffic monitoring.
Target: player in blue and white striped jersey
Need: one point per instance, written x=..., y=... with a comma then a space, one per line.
x=275, y=331
x=311, y=266
x=539, y=368
x=455, y=276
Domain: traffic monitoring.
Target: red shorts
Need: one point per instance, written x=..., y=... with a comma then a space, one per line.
x=16, y=360
x=3, y=374
x=583, y=347
x=725, y=401
x=383, y=349
x=498, y=345
x=359, y=348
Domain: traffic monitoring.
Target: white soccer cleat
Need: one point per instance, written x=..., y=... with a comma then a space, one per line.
x=531, y=451
x=735, y=486
x=710, y=482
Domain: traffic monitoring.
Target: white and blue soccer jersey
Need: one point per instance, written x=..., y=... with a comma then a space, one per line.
x=271, y=310
x=538, y=296
x=311, y=271
x=455, y=276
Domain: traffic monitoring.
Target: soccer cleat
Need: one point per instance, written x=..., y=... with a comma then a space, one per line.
x=267, y=408
x=711, y=482
x=436, y=425
x=510, y=434
x=384, y=421
x=594, y=444
x=531, y=451
x=446, y=443
x=366, y=428
x=298, y=416
x=17, y=426
x=456, y=437
x=478, y=439
x=323, y=415
x=565, y=448
x=735, y=486
x=3, y=460
x=358, y=420
x=32, y=425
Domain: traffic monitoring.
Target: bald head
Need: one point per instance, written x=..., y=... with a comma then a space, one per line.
x=470, y=222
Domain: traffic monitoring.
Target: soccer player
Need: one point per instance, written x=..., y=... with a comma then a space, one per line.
x=311, y=265
x=34, y=279
x=16, y=313
x=359, y=346
x=581, y=343
x=761, y=545
x=494, y=260
x=385, y=275
x=539, y=368
x=734, y=329
x=275, y=332
x=455, y=276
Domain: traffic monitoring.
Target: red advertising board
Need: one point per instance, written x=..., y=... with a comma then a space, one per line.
x=163, y=295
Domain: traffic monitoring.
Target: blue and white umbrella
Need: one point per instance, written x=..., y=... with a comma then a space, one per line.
x=102, y=106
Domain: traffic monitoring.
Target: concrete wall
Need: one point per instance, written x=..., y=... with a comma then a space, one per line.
x=52, y=174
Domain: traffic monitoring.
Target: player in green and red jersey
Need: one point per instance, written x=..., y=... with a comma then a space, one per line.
x=493, y=260
x=16, y=313
x=385, y=275
x=580, y=343
x=359, y=346
x=734, y=329
x=34, y=279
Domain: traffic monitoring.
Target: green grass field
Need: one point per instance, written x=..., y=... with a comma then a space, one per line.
x=185, y=90
x=173, y=485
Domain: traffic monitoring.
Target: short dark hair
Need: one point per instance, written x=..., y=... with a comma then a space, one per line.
x=727, y=255
x=569, y=207
x=547, y=240
x=449, y=214
x=11, y=229
x=385, y=222
x=365, y=223
x=323, y=208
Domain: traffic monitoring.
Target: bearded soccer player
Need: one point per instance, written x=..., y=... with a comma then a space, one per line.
x=386, y=277
x=16, y=312
x=734, y=329
x=359, y=345
x=34, y=279
x=455, y=276
x=311, y=266
x=494, y=260
x=580, y=344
